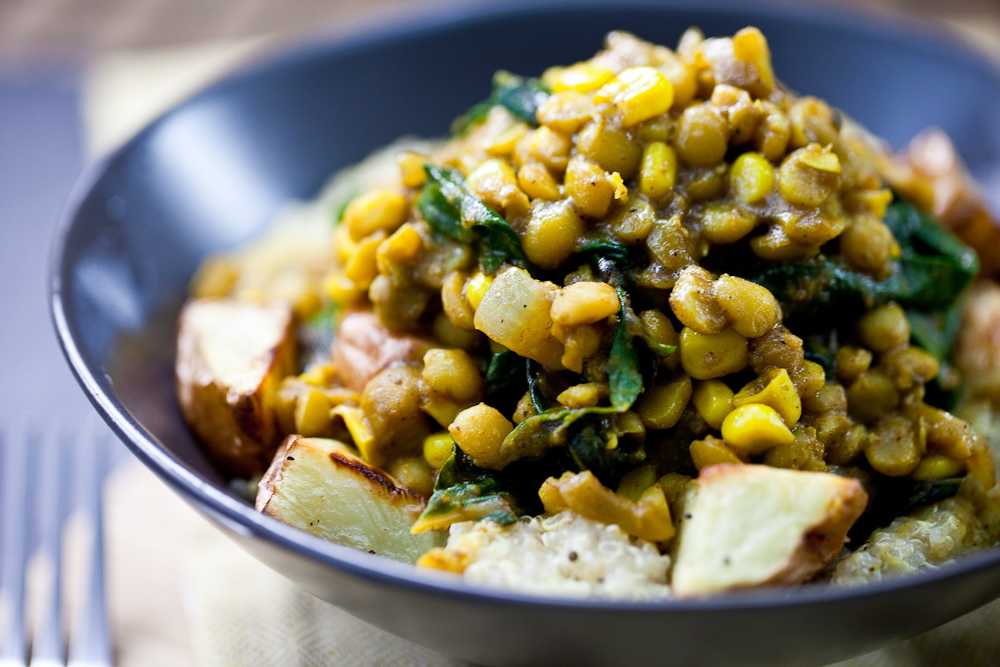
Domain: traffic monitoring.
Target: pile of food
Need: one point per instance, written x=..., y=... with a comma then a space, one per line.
x=649, y=325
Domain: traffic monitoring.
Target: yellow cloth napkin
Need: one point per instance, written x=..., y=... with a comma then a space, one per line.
x=181, y=593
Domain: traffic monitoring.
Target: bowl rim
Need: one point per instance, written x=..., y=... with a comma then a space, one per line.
x=240, y=517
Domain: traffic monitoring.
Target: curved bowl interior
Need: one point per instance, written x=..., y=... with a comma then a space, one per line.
x=211, y=173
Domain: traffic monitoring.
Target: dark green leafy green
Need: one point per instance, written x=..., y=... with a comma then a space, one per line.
x=452, y=210
x=505, y=368
x=461, y=487
x=595, y=446
x=917, y=231
x=660, y=349
x=588, y=434
x=624, y=378
x=534, y=381
x=822, y=349
x=520, y=95
x=602, y=247
x=937, y=331
x=932, y=270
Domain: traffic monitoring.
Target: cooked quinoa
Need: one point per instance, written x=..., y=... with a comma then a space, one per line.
x=924, y=540
x=564, y=555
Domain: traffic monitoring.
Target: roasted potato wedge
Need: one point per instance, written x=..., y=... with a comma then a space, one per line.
x=754, y=525
x=364, y=347
x=323, y=487
x=231, y=357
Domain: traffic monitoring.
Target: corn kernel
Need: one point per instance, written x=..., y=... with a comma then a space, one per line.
x=312, y=414
x=713, y=400
x=359, y=428
x=635, y=482
x=754, y=428
x=340, y=289
x=537, y=182
x=658, y=172
x=362, y=267
x=640, y=93
x=438, y=448
x=584, y=302
x=444, y=410
x=319, y=375
x=936, y=466
x=751, y=178
x=582, y=77
x=566, y=111
x=750, y=46
x=411, y=168
x=343, y=245
x=775, y=389
x=439, y=558
x=581, y=343
x=402, y=247
x=476, y=289
x=383, y=210
x=661, y=406
x=711, y=451
x=876, y=201
x=707, y=356
x=584, y=395
x=413, y=473
x=503, y=144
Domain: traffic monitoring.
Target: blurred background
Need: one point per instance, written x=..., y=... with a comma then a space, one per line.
x=46, y=30
x=77, y=77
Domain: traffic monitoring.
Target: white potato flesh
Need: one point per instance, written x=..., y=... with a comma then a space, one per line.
x=516, y=312
x=364, y=346
x=323, y=487
x=231, y=357
x=754, y=525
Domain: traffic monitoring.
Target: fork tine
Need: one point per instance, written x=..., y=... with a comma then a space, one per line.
x=90, y=643
x=48, y=647
x=14, y=547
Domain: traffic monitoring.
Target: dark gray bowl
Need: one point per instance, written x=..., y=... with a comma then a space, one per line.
x=210, y=174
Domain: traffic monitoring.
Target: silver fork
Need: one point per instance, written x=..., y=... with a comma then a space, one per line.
x=50, y=476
